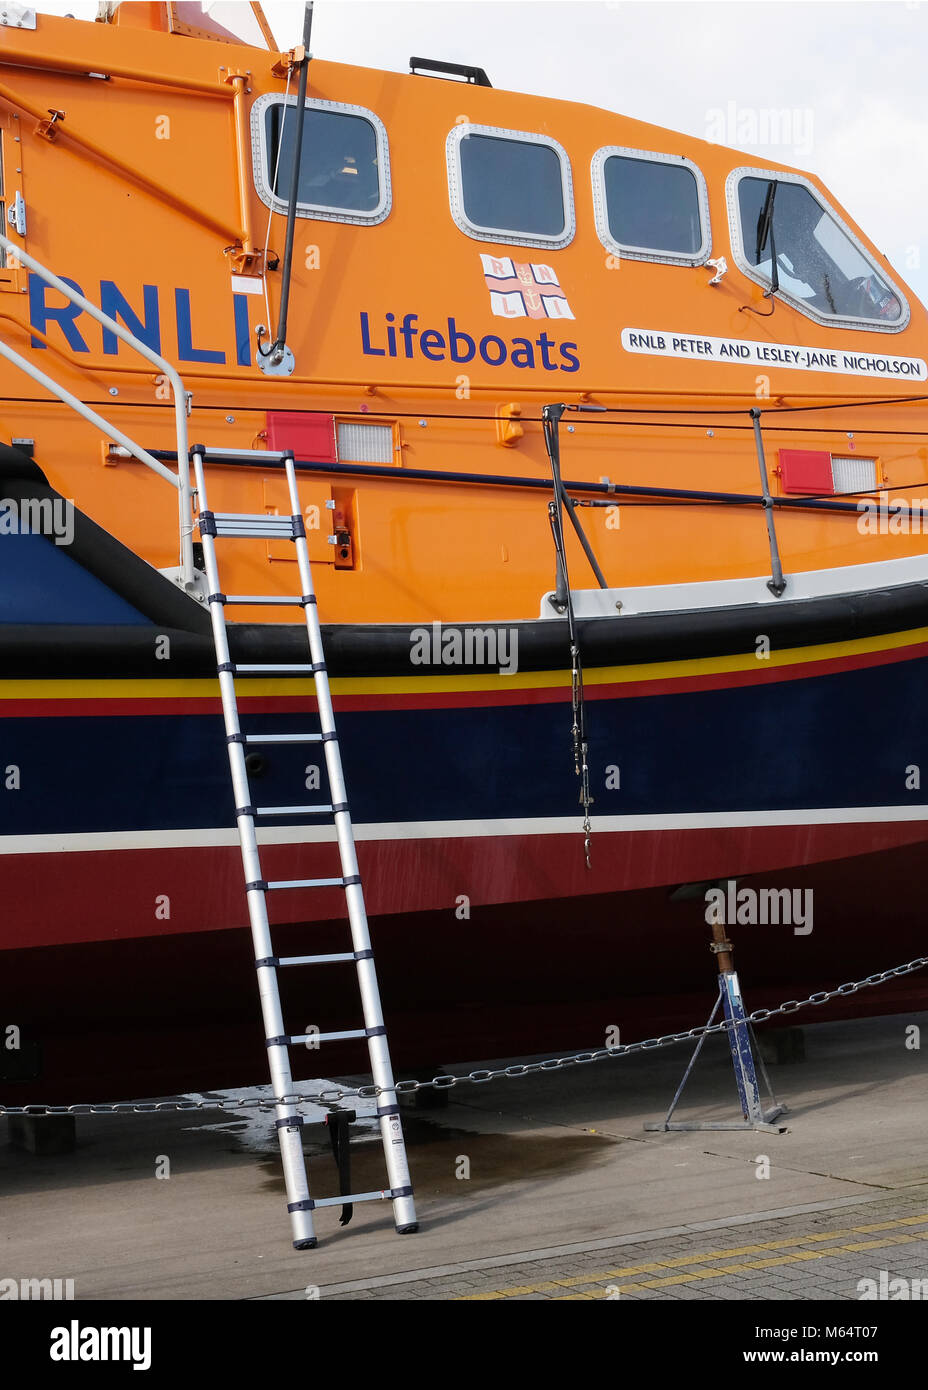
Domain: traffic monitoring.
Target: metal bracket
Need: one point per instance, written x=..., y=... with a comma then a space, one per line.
x=720, y=266
x=196, y=587
x=288, y=61
x=48, y=129
x=245, y=262
x=16, y=214
x=17, y=17
x=509, y=424
x=285, y=367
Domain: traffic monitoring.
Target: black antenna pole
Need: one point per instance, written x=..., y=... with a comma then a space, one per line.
x=276, y=352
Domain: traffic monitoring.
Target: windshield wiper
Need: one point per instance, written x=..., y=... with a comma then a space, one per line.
x=765, y=234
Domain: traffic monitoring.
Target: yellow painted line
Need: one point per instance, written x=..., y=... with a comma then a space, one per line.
x=796, y=1258
x=688, y=1275
x=877, y=1244
x=451, y=684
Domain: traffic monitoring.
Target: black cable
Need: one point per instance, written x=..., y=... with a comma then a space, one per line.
x=276, y=351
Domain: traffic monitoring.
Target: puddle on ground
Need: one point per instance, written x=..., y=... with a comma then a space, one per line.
x=436, y=1153
x=253, y=1129
x=437, y=1149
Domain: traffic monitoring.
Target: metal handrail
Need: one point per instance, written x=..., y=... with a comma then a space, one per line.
x=180, y=479
x=560, y=600
x=648, y=494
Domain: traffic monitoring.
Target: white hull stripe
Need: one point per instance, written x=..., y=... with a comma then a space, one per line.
x=456, y=829
x=802, y=587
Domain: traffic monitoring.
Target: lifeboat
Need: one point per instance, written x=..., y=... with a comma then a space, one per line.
x=613, y=463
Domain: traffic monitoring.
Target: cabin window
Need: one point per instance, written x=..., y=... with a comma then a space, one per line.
x=650, y=206
x=779, y=220
x=344, y=162
x=510, y=186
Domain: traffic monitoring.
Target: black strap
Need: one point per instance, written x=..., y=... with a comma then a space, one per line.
x=338, y=1122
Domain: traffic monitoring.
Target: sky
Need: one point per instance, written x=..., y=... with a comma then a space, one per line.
x=845, y=78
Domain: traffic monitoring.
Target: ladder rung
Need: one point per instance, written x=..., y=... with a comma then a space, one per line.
x=254, y=519
x=293, y=810
x=213, y=453
x=299, y=1038
x=261, y=525
x=283, y=738
x=325, y=960
x=384, y=1196
x=271, y=600
x=312, y=883
x=263, y=535
x=267, y=668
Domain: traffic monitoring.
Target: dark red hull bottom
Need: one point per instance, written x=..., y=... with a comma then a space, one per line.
x=156, y=1015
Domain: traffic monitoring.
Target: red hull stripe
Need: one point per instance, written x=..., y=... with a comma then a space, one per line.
x=402, y=877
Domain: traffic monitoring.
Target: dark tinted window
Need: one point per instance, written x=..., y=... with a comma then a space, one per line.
x=817, y=262
x=512, y=186
x=651, y=206
x=338, y=167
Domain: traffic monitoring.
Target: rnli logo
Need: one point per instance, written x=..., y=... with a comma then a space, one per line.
x=524, y=289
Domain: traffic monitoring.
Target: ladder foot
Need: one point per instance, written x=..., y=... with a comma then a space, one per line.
x=306, y=1244
x=409, y=1230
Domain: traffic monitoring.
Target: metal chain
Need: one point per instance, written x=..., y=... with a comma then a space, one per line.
x=551, y=418
x=477, y=1078
x=581, y=747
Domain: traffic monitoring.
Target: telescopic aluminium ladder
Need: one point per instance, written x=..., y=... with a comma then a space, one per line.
x=215, y=526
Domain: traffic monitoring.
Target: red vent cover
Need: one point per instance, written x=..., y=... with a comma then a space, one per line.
x=806, y=470
x=311, y=436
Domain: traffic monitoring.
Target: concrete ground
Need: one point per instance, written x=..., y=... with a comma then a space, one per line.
x=542, y=1187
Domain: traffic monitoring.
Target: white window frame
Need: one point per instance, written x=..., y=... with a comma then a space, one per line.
x=500, y=234
x=318, y=212
x=647, y=253
x=745, y=266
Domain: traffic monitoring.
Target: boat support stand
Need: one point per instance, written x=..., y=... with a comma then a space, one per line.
x=743, y=1047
